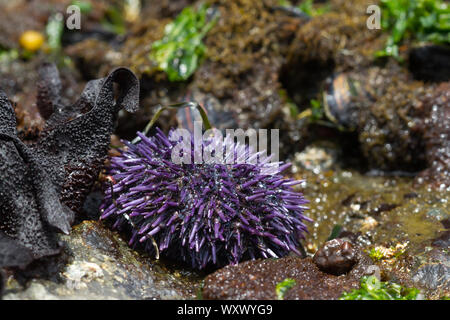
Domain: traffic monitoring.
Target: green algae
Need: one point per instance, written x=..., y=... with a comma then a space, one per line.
x=373, y=289
x=180, y=51
x=283, y=287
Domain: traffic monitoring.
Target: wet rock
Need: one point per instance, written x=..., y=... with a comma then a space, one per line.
x=438, y=214
x=331, y=59
x=336, y=257
x=241, y=69
x=430, y=63
x=402, y=125
x=35, y=291
x=434, y=276
x=443, y=240
x=79, y=273
x=97, y=264
x=351, y=200
x=436, y=135
x=258, y=279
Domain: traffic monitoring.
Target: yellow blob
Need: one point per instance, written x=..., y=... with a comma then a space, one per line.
x=31, y=40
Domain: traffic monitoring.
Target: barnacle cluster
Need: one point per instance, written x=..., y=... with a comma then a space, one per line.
x=205, y=214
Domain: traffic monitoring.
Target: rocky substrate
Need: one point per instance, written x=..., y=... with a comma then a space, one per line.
x=258, y=279
x=96, y=263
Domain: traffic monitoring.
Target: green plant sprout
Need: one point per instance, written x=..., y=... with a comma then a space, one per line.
x=181, y=50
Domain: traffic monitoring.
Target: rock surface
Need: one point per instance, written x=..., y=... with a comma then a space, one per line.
x=97, y=264
x=258, y=279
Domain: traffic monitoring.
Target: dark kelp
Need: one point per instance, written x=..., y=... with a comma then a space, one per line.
x=42, y=184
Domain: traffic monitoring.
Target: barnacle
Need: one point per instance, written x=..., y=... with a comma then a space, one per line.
x=44, y=182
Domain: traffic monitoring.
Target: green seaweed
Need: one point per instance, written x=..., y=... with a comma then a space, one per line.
x=181, y=50
x=283, y=287
x=422, y=20
x=373, y=289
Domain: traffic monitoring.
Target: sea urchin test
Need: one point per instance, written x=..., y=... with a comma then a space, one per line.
x=207, y=214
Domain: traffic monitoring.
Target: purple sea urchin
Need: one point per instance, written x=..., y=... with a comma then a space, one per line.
x=43, y=183
x=203, y=214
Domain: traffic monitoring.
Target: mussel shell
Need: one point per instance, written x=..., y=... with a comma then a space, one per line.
x=339, y=96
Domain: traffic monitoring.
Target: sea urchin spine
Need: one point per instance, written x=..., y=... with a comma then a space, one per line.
x=203, y=214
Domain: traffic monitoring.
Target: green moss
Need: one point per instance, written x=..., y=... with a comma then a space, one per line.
x=283, y=287
x=373, y=289
x=422, y=20
x=181, y=50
